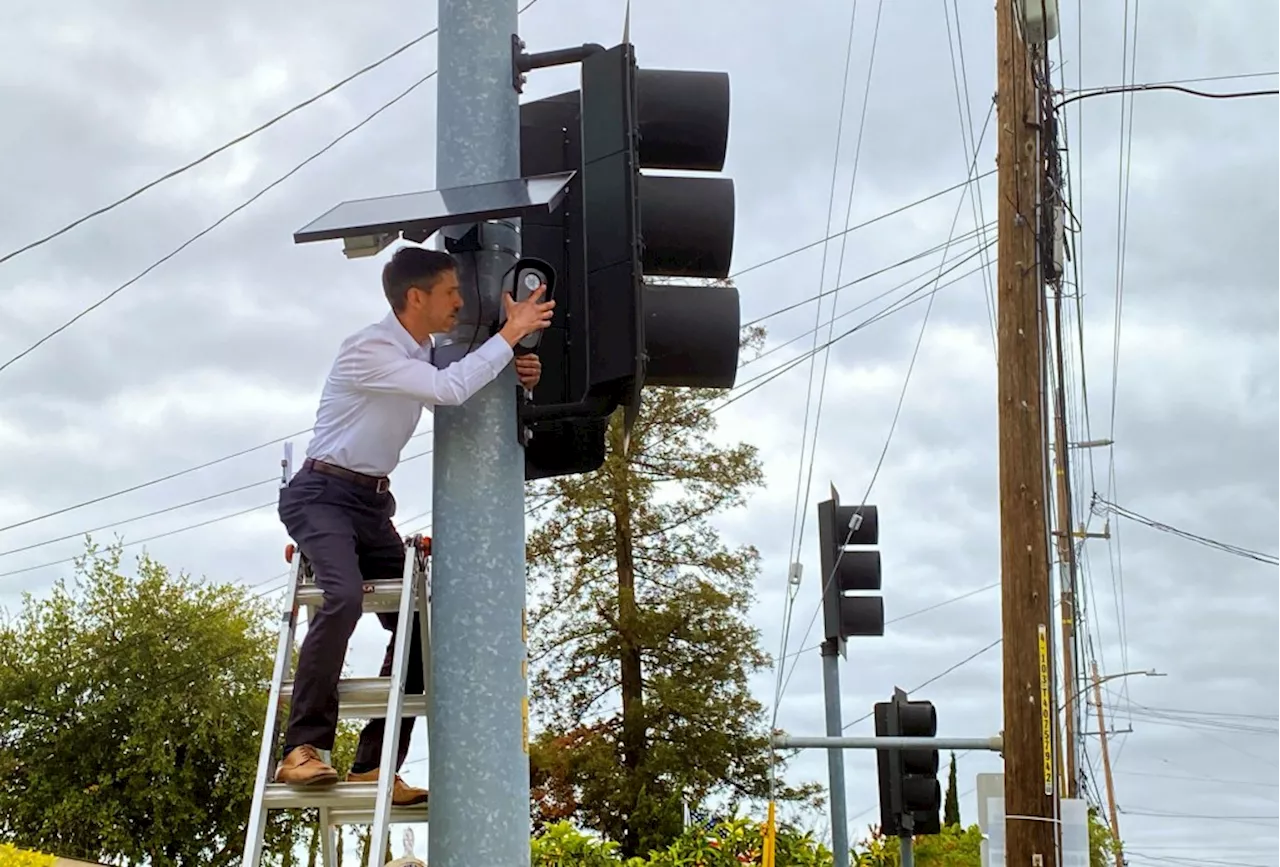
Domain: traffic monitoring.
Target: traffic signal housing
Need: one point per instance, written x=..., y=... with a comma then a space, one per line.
x=910, y=797
x=846, y=569
x=614, y=330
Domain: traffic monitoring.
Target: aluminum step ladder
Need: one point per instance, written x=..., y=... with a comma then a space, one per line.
x=358, y=698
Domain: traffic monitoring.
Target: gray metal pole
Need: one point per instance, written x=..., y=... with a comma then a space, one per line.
x=801, y=742
x=479, y=767
x=907, y=854
x=835, y=757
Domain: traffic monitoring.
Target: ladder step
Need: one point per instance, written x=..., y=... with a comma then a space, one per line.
x=364, y=698
x=348, y=803
x=381, y=596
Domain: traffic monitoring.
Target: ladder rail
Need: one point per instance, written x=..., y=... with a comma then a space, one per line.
x=329, y=838
x=422, y=577
x=381, y=832
x=257, y=826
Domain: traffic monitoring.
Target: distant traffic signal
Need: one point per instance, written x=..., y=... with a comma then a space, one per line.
x=843, y=571
x=613, y=333
x=910, y=797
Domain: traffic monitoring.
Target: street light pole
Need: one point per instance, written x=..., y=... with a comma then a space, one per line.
x=1151, y=672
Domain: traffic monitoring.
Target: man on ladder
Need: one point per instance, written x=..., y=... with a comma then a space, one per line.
x=338, y=508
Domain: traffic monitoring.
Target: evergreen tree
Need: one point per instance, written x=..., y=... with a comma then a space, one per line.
x=639, y=643
x=951, y=814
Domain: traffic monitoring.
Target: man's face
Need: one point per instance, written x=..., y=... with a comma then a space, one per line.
x=437, y=308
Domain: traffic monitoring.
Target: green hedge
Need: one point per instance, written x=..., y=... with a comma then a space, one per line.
x=730, y=844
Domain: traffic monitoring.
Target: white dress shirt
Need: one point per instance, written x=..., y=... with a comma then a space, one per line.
x=379, y=383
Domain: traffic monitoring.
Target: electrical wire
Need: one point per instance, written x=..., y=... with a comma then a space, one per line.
x=956, y=263
x=1239, y=551
x=228, y=215
x=898, y=210
x=876, y=273
x=892, y=425
x=965, y=112
x=213, y=153
x=770, y=375
x=410, y=89
x=138, y=487
x=970, y=255
x=762, y=379
x=1140, y=88
x=884, y=216
x=178, y=530
x=151, y=514
x=230, y=144
x=937, y=677
x=844, y=244
x=791, y=587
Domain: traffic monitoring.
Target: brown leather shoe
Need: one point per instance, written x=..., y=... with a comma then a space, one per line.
x=402, y=794
x=304, y=767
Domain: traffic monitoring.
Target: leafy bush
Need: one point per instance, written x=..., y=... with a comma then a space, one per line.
x=729, y=844
x=11, y=857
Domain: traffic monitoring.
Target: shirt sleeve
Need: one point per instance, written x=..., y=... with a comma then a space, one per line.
x=378, y=365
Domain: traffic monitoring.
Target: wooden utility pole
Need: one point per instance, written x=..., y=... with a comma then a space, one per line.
x=1030, y=833
x=1106, y=767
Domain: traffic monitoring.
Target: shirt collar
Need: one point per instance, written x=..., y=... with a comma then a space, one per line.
x=403, y=337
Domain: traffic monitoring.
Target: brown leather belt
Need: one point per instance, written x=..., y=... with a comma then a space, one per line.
x=381, y=484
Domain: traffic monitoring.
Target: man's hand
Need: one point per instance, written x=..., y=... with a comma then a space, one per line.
x=528, y=370
x=527, y=316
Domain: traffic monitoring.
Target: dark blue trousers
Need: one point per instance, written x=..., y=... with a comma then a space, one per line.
x=344, y=529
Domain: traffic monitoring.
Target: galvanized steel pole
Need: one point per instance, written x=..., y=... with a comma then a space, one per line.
x=835, y=757
x=479, y=768
x=798, y=742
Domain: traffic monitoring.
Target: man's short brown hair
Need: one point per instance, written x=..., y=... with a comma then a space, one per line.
x=413, y=266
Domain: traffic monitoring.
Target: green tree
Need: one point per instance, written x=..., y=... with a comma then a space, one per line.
x=130, y=713
x=954, y=846
x=639, y=638
x=951, y=813
x=1102, y=842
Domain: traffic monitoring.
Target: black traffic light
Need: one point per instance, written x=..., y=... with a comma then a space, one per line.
x=845, y=570
x=614, y=331
x=910, y=797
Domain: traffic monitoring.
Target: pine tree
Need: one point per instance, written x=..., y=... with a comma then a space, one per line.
x=951, y=815
x=639, y=643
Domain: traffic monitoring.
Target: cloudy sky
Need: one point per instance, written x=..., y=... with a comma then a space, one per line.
x=225, y=346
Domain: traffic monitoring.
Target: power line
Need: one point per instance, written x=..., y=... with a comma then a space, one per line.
x=771, y=374
x=763, y=379
x=827, y=579
x=767, y=376
x=937, y=677
x=862, y=225
x=235, y=141
x=844, y=244
x=151, y=514
x=213, y=153
x=770, y=261
x=237, y=209
x=177, y=530
x=156, y=481
x=1183, y=534
x=1136, y=88
x=969, y=256
x=907, y=261
x=790, y=587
